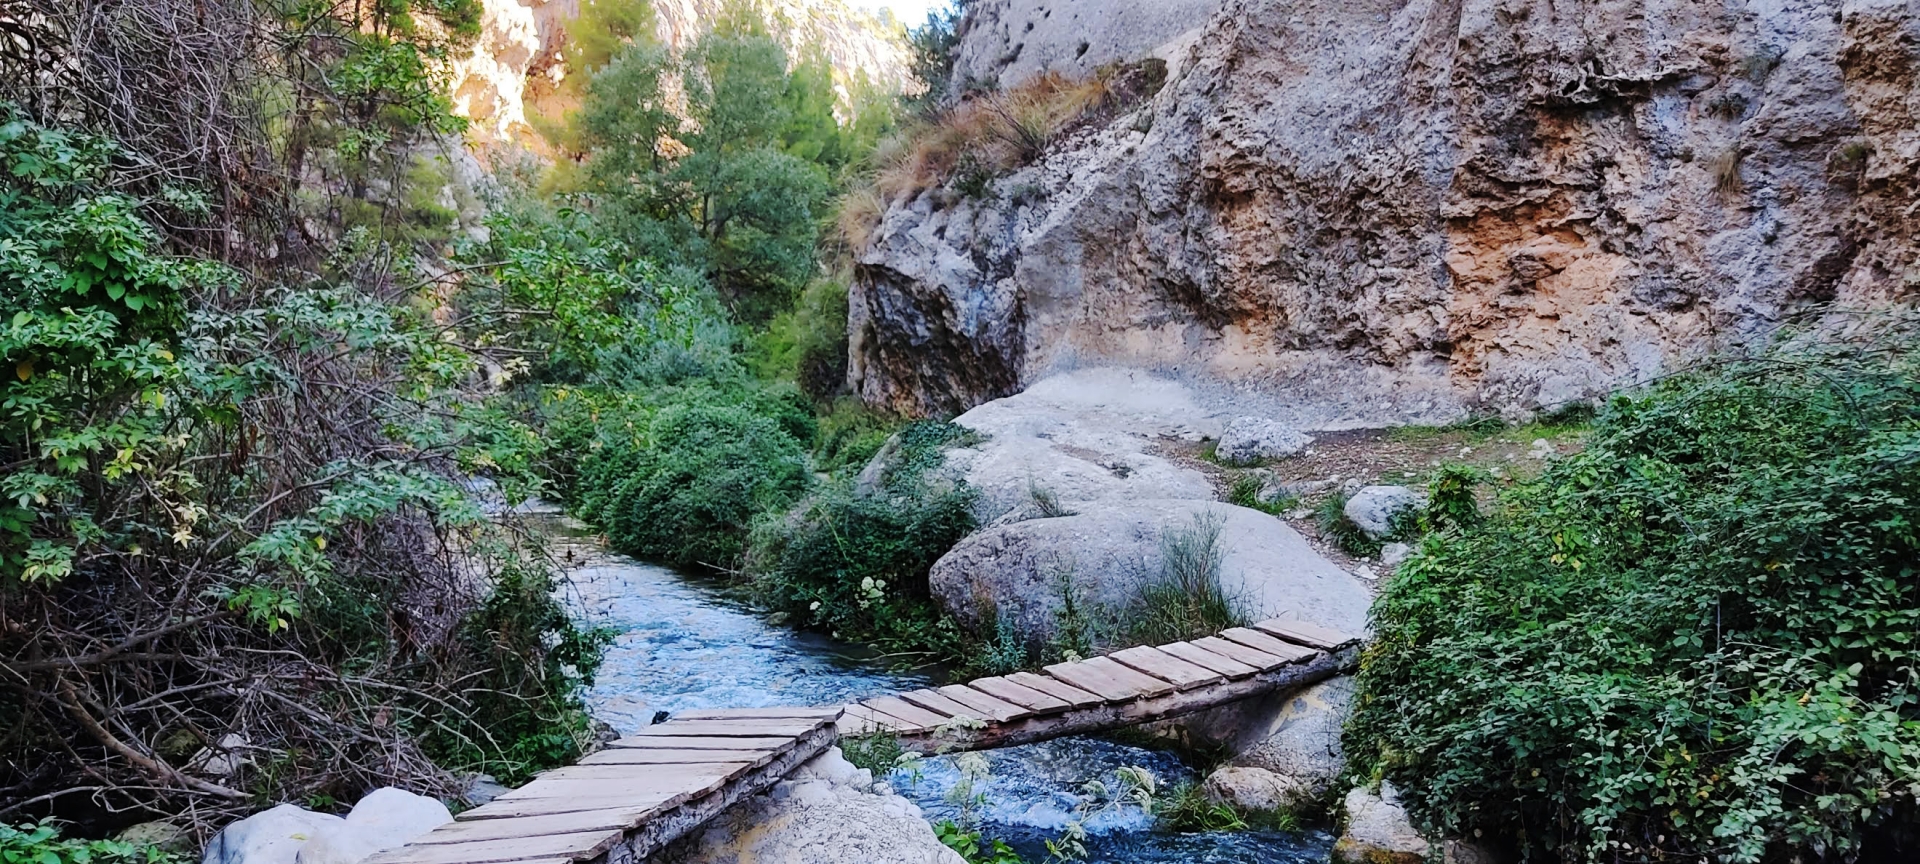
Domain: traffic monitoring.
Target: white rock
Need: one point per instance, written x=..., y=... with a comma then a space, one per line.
x=1378, y=830
x=1255, y=439
x=1255, y=790
x=268, y=837
x=385, y=818
x=222, y=759
x=1365, y=572
x=826, y=818
x=1391, y=554
x=1110, y=549
x=1373, y=508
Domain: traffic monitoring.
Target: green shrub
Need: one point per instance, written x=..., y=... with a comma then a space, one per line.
x=850, y=434
x=1693, y=640
x=1186, y=599
x=682, y=482
x=40, y=843
x=1245, y=492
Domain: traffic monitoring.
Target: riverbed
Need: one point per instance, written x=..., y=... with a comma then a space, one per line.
x=684, y=643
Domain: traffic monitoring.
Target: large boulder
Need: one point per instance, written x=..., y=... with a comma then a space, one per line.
x=385, y=818
x=1107, y=550
x=1255, y=790
x=1250, y=440
x=826, y=812
x=268, y=837
x=1303, y=737
x=1378, y=831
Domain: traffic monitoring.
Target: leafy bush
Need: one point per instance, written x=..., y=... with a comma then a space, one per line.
x=41, y=844
x=681, y=482
x=1695, y=639
x=856, y=561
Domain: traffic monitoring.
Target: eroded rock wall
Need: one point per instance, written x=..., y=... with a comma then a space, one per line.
x=1392, y=212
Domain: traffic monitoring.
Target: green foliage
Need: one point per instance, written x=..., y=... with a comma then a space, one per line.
x=1450, y=502
x=850, y=435
x=1245, y=492
x=808, y=343
x=40, y=843
x=678, y=475
x=855, y=562
x=1187, y=807
x=1185, y=599
x=1006, y=652
x=969, y=845
x=932, y=46
x=1693, y=639
x=1330, y=515
x=878, y=752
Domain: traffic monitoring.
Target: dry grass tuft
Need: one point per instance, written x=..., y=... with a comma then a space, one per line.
x=992, y=132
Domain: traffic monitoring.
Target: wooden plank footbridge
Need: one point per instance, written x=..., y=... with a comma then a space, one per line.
x=629, y=800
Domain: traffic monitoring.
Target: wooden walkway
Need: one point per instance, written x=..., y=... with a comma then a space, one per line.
x=1125, y=688
x=626, y=802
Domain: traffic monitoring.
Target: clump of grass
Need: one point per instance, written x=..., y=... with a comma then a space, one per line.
x=858, y=216
x=1046, y=502
x=1331, y=517
x=1725, y=169
x=1006, y=652
x=1187, y=807
x=1245, y=492
x=1186, y=599
x=1074, y=628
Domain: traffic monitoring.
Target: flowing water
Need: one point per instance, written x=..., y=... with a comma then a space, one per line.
x=683, y=644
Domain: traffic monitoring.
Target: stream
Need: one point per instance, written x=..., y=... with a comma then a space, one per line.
x=685, y=644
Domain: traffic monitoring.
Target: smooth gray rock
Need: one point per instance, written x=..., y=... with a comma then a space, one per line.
x=1391, y=554
x=826, y=812
x=1248, y=440
x=1302, y=737
x=1107, y=550
x=385, y=818
x=1373, y=508
x=268, y=837
x=1378, y=830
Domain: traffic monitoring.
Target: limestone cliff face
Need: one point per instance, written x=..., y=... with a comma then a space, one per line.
x=516, y=63
x=1386, y=211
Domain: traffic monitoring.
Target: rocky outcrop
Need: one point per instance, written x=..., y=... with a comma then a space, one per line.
x=826, y=812
x=1005, y=42
x=1400, y=212
x=1378, y=831
x=1255, y=790
x=516, y=64
x=1080, y=485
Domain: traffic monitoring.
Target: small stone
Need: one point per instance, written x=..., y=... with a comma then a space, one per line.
x=1365, y=572
x=481, y=789
x=1392, y=554
x=223, y=758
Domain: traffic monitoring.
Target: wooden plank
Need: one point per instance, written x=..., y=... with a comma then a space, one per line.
x=649, y=772
x=1166, y=667
x=1276, y=647
x=1021, y=695
x=997, y=710
x=637, y=756
x=1073, y=696
x=670, y=742
x=1144, y=683
x=1311, y=635
x=749, y=728
x=687, y=782
x=1254, y=657
x=1095, y=679
x=896, y=707
x=940, y=704
x=577, y=846
x=499, y=809
x=617, y=818
x=1205, y=659
x=863, y=720
x=791, y=713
